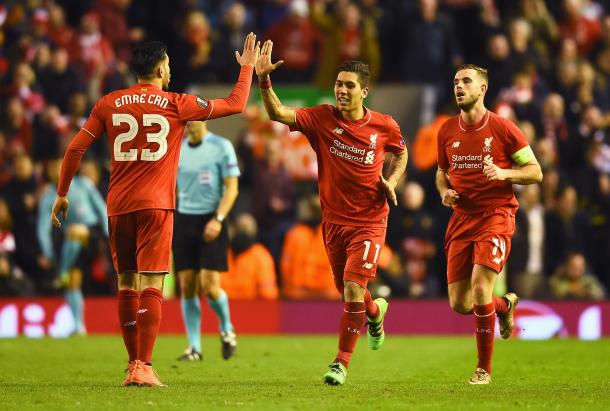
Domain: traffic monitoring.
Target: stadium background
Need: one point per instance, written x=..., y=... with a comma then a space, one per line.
x=549, y=67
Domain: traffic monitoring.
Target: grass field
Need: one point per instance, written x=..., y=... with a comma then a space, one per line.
x=284, y=373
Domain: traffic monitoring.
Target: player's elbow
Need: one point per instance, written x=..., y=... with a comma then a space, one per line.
x=538, y=175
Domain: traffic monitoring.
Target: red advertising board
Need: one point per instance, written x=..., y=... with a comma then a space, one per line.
x=535, y=320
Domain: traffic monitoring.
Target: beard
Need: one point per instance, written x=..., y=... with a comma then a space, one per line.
x=467, y=104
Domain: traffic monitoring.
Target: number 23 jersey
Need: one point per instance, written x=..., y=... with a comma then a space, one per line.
x=145, y=126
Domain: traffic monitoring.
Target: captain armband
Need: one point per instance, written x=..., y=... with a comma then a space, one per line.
x=523, y=156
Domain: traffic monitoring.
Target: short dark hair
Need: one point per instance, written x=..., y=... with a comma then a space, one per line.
x=480, y=70
x=146, y=56
x=358, y=67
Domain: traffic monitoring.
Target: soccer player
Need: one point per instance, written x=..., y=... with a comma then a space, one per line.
x=350, y=142
x=83, y=229
x=207, y=189
x=145, y=124
x=476, y=153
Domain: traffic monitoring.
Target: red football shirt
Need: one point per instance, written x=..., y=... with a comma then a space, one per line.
x=145, y=126
x=461, y=151
x=350, y=159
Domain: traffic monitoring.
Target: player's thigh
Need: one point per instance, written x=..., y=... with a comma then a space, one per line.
x=460, y=296
x=154, y=240
x=188, y=283
x=187, y=242
x=122, y=237
x=210, y=281
x=364, y=245
x=78, y=232
x=213, y=256
x=336, y=250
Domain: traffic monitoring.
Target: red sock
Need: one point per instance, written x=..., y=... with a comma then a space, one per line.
x=129, y=300
x=149, y=320
x=352, y=321
x=485, y=320
x=500, y=305
x=372, y=310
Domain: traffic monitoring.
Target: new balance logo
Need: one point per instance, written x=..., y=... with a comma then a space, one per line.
x=484, y=330
x=368, y=266
x=338, y=130
x=142, y=310
x=353, y=330
x=129, y=324
x=455, y=144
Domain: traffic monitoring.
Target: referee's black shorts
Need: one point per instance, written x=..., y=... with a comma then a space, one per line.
x=190, y=250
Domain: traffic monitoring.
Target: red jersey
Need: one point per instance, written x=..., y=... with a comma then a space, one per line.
x=145, y=126
x=461, y=151
x=350, y=158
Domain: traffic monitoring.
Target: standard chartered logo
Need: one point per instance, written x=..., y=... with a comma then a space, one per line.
x=353, y=153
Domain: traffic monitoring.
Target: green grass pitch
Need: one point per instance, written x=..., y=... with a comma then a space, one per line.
x=285, y=373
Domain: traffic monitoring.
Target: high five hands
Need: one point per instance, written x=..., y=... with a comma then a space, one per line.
x=251, y=51
x=263, y=65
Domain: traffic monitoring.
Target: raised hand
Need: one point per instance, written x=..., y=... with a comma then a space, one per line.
x=263, y=65
x=60, y=207
x=389, y=189
x=251, y=51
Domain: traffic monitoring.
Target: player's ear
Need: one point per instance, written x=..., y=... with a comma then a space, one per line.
x=365, y=92
x=484, y=87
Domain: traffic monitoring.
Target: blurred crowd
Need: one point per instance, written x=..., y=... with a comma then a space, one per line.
x=549, y=69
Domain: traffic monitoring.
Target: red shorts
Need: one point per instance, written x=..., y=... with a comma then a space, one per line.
x=141, y=241
x=482, y=238
x=353, y=252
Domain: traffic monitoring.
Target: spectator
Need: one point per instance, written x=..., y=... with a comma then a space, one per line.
x=251, y=272
x=230, y=36
x=295, y=41
x=348, y=36
x=90, y=50
x=582, y=29
x=565, y=229
x=60, y=79
x=414, y=235
x=17, y=129
x=572, y=281
x=305, y=271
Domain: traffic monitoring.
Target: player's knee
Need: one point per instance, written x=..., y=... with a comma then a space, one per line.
x=480, y=291
x=460, y=307
x=353, y=291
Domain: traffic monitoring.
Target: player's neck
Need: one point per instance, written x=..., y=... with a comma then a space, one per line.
x=353, y=115
x=474, y=115
x=154, y=82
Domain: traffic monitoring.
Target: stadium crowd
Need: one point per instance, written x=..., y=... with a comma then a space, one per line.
x=549, y=68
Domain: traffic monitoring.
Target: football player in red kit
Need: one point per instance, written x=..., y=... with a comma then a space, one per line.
x=350, y=142
x=480, y=157
x=145, y=125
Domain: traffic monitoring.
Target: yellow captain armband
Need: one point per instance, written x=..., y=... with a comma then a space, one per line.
x=523, y=156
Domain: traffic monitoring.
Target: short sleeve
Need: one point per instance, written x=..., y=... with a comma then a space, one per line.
x=395, y=143
x=95, y=123
x=443, y=161
x=193, y=108
x=308, y=120
x=517, y=146
x=230, y=167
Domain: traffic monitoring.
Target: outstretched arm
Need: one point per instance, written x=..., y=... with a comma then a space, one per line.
x=273, y=105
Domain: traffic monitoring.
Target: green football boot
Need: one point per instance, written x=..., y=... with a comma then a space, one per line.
x=336, y=374
x=375, y=335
